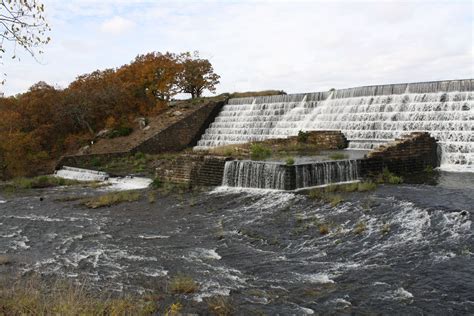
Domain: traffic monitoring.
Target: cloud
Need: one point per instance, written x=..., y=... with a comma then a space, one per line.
x=116, y=25
x=297, y=46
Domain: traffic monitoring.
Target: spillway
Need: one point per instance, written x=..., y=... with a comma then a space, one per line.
x=368, y=116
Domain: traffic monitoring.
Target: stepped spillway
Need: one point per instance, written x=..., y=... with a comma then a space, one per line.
x=368, y=116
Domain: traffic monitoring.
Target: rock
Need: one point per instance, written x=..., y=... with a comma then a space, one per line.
x=177, y=113
x=142, y=122
x=146, y=128
x=102, y=133
x=84, y=150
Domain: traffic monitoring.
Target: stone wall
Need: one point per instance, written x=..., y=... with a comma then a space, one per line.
x=327, y=139
x=412, y=153
x=194, y=170
x=183, y=133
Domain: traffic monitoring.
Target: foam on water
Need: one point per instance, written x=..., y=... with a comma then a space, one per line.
x=110, y=184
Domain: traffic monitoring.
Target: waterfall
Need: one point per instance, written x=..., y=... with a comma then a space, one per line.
x=271, y=175
x=368, y=116
x=327, y=172
x=81, y=174
x=254, y=174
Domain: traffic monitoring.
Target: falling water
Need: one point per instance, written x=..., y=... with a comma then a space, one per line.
x=81, y=174
x=271, y=175
x=368, y=116
x=254, y=174
x=327, y=172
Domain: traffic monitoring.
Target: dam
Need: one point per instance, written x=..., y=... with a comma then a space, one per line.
x=368, y=117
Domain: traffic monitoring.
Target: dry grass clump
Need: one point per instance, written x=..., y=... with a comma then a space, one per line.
x=32, y=297
x=182, y=284
x=323, y=229
x=360, y=228
x=220, y=305
x=4, y=260
x=112, y=199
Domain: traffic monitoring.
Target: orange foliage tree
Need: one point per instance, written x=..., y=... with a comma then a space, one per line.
x=43, y=123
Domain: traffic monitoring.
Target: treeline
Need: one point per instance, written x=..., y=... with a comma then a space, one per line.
x=38, y=126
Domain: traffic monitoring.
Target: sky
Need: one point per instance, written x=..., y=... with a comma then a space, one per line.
x=295, y=46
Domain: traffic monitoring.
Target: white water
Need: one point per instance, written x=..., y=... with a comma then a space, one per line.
x=368, y=116
x=110, y=184
x=81, y=174
x=271, y=175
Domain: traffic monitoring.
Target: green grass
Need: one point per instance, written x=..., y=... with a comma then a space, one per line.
x=290, y=161
x=112, y=198
x=326, y=196
x=259, y=152
x=38, y=183
x=388, y=177
x=338, y=156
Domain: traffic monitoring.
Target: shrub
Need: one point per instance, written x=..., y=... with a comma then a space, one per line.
x=428, y=169
x=323, y=229
x=120, y=132
x=157, y=183
x=338, y=156
x=182, y=284
x=259, y=152
x=366, y=186
x=302, y=136
x=290, y=161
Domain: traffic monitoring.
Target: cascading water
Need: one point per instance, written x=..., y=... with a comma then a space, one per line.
x=254, y=174
x=271, y=175
x=81, y=174
x=368, y=116
x=315, y=174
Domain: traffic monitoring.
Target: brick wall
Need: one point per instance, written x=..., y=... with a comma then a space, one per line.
x=411, y=153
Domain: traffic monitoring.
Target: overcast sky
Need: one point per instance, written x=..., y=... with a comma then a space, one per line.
x=254, y=45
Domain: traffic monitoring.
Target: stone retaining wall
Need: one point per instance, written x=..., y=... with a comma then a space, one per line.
x=183, y=133
x=194, y=170
x=412, y=153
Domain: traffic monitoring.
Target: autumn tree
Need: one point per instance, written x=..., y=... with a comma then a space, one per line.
x=197, y=75
x=22, y=23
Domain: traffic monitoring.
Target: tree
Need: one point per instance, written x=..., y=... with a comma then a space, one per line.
x=22, y=23
x=197, y=75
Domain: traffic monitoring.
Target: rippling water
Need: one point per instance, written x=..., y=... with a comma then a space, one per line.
x=413, y=252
